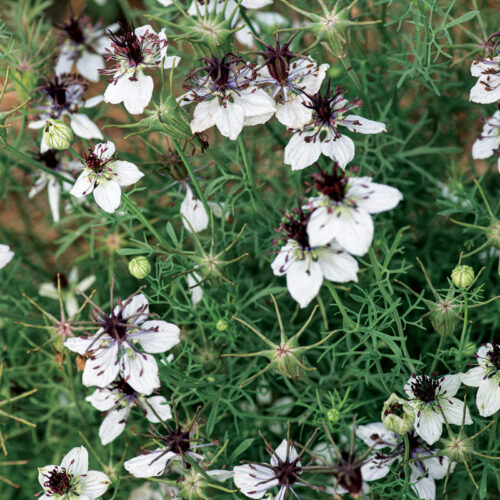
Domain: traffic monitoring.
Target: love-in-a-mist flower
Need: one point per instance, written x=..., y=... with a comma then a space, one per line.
x=343, y=209
x=69, y=288
x=486, y=377
x=104, y=176
x=432, y=400
x=84, y=45
x=175, y=445
x=63, y=96
x=389, y=447
x=121, y=344
x=305, y=265
x=488, y=142
x=290, y=80
x=131, y=53
x=284, y=471
x=321, y=134
x=117, y=400
x=6, y=255
x=227, y=96
x=72, y=479
x=487, y=70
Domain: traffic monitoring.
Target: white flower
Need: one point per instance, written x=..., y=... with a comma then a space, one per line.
x=194, y=280
x=114, y=349
x=488, y=143
x=117, y=400
x=486, y=377
x=104, y=176
x=390, y=447
x=321, y=134
x=344, y=207
x=227, y=97
x=254, y=480
x=84, y=45
x=132, y=53
x=305, y=265
x=487, y=88
x=428, y=397
x=6, y=255
x=146, y=492
x=194, y=215
x=63, y=96
x=70, y=286
x=72, y=479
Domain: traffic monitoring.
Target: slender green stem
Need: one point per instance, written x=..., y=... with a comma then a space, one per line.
x=462, y=335
x=347, y=320
x=245, y=161
x=436, y=352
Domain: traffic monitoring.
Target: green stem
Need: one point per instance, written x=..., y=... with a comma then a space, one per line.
x=245, y=161
x=347, y=320
x=440, y=346
x=462, y=335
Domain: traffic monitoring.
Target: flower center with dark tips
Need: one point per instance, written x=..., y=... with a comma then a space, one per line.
x=494, y=355
x=94, y=162
x=295, y=228
x=74, y=30
x=128, y=45
x=178, y=441
x=277, y=59
x=286, y=472
x=60, y=278
x=57, y=90
x=332, y=184
x=425, y=388
x=349, y=475
x=49, y=158
x=122, y=386
x=58, y=482
x=395, y=409
x=115, y=326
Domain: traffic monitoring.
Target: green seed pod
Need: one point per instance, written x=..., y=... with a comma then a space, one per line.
x=444, y=316
x=333, y=415
x=397, y=416
x=493, y=234
x=287, y=359
x=221, y=325
x=459, y=447
x=139, y=267
x=462, y=276
x=57, y=135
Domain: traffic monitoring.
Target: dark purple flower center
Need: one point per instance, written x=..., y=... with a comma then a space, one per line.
x=122, y=386
x=63, y=280
x=294, y=227
x=332, y=184
x=287, y=472
x=177, y=441
x=349, y=475
x=425, y=388
x=277, y=59
x=56, y=89
x=494, y=355
x=94, y=162
x=73, y=29
x=128, y=45
x=115, y=326
x=395, y=409
x=58, y=482
x=49, y=158
x=217, y=70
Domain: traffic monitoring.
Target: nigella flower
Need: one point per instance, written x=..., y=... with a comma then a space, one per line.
x=227, y=96
x=305, y=265
x=117, y=400
x=104, y=176
x=284, y=471
x=118, y=345
x=488, y=142
x=344, y=207
x=6, y=255
x=72, y=479
x=83, y=45
x=432, y=400
x=321, y=134
x=51, y=182
x=69, y=287
x=132, y=52
x=194, y=215
x=63, y=96
x=175, y=445
x=193, y=281
x=290, y=81
x=487, y=69
x=486, y=377
x=426, y=464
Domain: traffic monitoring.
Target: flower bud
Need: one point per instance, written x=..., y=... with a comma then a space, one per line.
x=397, y=416
x=462, y=276
x=57, y=135
x=459, y=447
x=444, y=316
x=287, y=359
x=221, y=325
x=493, y=234
x=139, y=267
x=333, y=415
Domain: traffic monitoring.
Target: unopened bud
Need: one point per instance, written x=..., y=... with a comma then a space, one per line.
x=333, y=415
x=287, y=359
x=493, y=234
x=397, y=416
x=462, y=276
x=139, y=267
x=444, y=316
x=221, y=325
x=459, y=447
x=57, y=135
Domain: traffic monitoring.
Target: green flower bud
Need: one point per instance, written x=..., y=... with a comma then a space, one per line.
x=221, y=325
x=397, y=416
x=287, y=359
x=462, y=276
x=139, y=267
x=333, y=415
x=57, y=135
x=459, y=447
x=493, y=234
x=444, y=315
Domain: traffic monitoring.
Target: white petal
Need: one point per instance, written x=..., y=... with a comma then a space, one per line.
x=292, y=113
x=284, y=451
x=304, y=279
x=453, y=410
x=48, y=290
x=145, y=29
x=161, y=409
x=373, y=469
x=254, y=480
x=83, y=185
x=195, y=217
x=373, y=197
x=113, y=424
x=71, y=304
x=37, y=124
x=85, y=284
x=81, y=345
x=54, y=190
x=102, y=399
x=6, y=255
x=255, y=4
x=437, y=467
x=94, y=484
x=126, y=172
x=157, y=336
x=299, y=153
x=107, y=195
x=194, y=288
x=283, y=260
x=423, y=486
x=102, y=367
x=354, y=230
x=136, y=309
x=76, y=461
x=149, y=465
x=322, y=226
x=337, y=265
x=483, y=94
x=484, y=147
x=140, y=371
x=356, y=123
x=255, y=102
x=339, y=149
x=89, y=64
x=477, y=67
x=65, y=60
x=229, y=120
x=138, y=93
x=450, y=384
x=204, y=115
x=473, y=377
x=94, y=101
x=84, y=127
x=105, y=150
x=376, y=435
x=488, y=397
x=429, y=426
